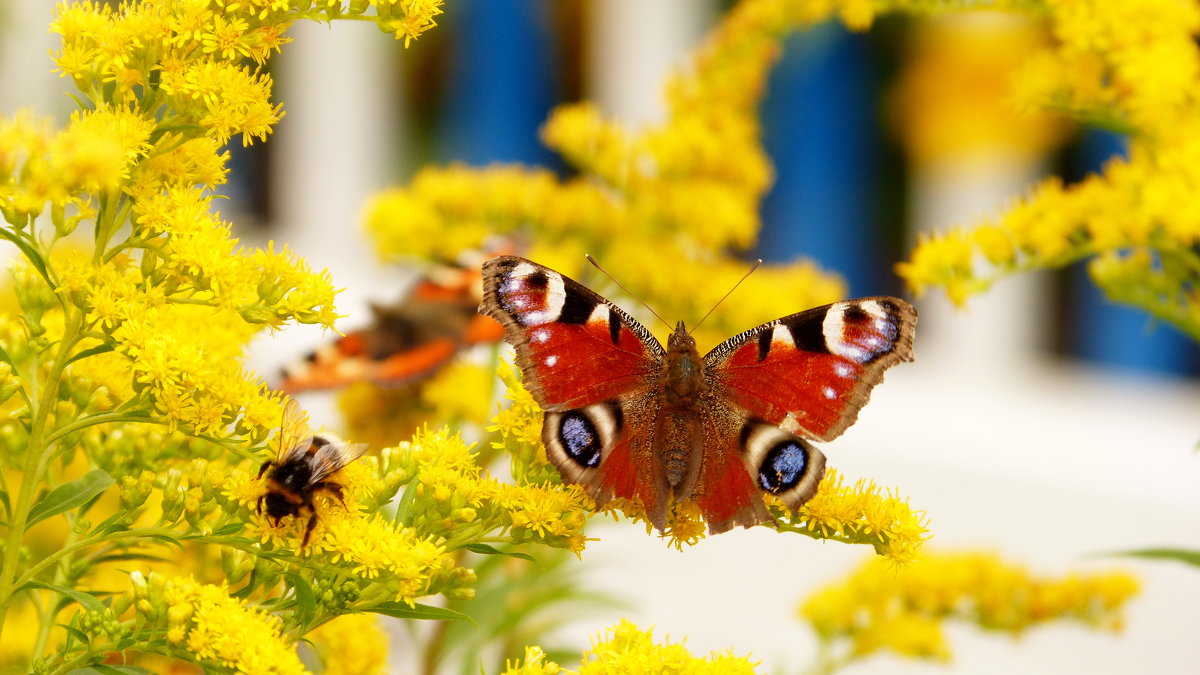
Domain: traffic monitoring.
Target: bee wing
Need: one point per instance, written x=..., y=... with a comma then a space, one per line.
x=331, y=455
x=294, y=435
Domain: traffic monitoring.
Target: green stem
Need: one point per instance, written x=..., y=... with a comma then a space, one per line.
x=100, y=418
x=147, y=532
x=37, y=457
x=45, y=621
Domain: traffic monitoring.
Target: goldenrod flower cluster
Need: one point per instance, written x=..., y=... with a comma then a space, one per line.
x=187, y=57
x=198, y=622
x=862, y=514
x=133, y=307
x=950, y=100
x=213, y=627
x=629, y=649
x=881, y=607
x=1131, y=67
x=459, y=502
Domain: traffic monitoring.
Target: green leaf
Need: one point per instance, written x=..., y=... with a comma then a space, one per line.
x=401, y=610
x=120, y=557
x=406, y=502
x=306, y=600
x=65, y=497
x=228, y=529
x=1179, y=555
x=30, y=252
x=98, y=349
x=104, y=669
x=107, y=524
x=486, y=549
x=8, y=359
x=89, y=602
x=74, y=633
x=165, y=539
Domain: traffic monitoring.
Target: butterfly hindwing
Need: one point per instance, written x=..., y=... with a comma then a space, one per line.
x=592, y=368
x=745, y=458
x=811, y=372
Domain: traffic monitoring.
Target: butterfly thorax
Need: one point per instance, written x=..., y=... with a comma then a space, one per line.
x=683, y=376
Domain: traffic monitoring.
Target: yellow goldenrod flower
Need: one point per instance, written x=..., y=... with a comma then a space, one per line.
x=952, y=94
x=353, y=644
x=214, y=628
x=114, y=346
x=534, y=663
x=864, y=514
x=629, y=649
x=881, y=607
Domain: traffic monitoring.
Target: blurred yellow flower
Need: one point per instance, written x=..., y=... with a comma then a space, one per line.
x=950, y=100
x=880, y=607
x=627, y=649
x=686, y=191
x=353, y=644
x=1134, y=69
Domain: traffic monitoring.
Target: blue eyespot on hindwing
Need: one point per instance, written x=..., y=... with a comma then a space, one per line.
x=576, y=440
x=783, y=467
x=781, y=463
x=579, y=439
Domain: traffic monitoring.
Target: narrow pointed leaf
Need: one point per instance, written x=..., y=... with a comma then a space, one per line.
x=400, y=610
x=1179, y=555
x=71, y=495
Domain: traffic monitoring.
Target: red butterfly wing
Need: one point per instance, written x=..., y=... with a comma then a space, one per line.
x=575, y=347
x=593, y=368
x=811, y=372
x=802, y=376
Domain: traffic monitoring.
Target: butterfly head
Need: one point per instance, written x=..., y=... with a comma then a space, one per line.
x=681, y=340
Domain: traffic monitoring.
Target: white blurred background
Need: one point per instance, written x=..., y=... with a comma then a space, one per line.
x=1006, y=441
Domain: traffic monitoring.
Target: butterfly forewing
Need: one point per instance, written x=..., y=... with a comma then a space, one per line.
x=575, y=347
x=813, y=371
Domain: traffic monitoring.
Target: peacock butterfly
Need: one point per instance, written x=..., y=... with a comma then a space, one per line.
x=406, y=341
x=626, y=418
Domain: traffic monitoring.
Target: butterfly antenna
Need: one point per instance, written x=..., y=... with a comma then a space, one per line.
x=739, y=283
x=627, y=291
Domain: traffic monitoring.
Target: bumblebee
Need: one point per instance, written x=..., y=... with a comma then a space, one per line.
x=302, y=468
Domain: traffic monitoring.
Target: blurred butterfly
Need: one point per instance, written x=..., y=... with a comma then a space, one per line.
x=407, y=341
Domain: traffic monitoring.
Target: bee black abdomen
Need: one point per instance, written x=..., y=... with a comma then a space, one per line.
x=279, y=506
